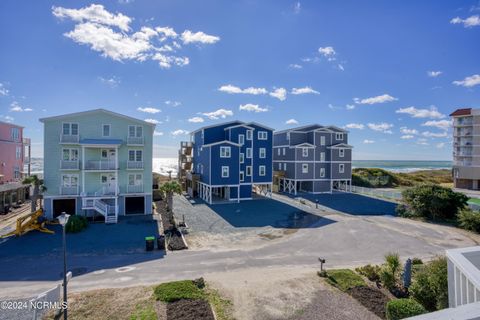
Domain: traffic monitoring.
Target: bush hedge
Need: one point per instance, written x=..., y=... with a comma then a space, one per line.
x=403, y=308
x=430, y=285
x=371, y=272
x=469, y=220
x=76, y=224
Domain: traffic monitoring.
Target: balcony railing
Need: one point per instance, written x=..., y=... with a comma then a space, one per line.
x=100, y=165
x=462, y=163
x=186, y=144
x=134, y=164
x=463, y=122
x=69, y=190
x=69, y=164
x=69, y=138
x=135, y=188
x=135, y=141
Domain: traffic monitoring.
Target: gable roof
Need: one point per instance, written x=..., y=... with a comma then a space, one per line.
x=340, y=145
x=221, y=142
x=239, y=125
x=303, y=145
x=461, y=112
x=94, y=111
x=12, y=124
x=259, y=125
x=216, y=125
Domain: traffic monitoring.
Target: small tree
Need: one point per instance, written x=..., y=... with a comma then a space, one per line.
x=390, y=269
x=169, y=189
x=38, y=188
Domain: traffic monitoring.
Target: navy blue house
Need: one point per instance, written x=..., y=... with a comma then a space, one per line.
x=230, y=161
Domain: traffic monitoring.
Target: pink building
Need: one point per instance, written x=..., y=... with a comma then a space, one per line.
x=12, y=152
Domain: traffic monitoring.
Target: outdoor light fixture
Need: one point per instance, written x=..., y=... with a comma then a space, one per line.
x=63, y=219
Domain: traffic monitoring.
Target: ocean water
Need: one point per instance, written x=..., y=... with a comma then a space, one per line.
x=164, y=165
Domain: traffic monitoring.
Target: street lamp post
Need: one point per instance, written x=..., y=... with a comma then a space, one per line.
x=63, y=219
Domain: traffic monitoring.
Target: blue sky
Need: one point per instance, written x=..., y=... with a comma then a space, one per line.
x=389, y=71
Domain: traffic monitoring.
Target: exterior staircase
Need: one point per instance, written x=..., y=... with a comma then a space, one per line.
x=108, y=211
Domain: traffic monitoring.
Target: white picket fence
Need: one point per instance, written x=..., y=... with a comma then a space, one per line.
x=378, y=193
x=52, y=297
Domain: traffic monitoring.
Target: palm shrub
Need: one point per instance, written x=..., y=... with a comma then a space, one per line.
x=430, y=285
x=369, y=271
x=433, y=201
x=76, y=224
x=38, y=189
x=169, y=189
x=403, y=308
x=469, y=220
x=389, y=271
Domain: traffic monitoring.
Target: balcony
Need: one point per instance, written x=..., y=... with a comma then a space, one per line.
x=461, y=163
x=69, y=190
x=463, y=122
x=135, y=141
x=100, y=165
x=69, y=138
x=69, y=165
x=135, y=165
x=135, y=188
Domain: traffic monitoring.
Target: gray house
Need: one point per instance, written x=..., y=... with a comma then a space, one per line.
x=313, y=158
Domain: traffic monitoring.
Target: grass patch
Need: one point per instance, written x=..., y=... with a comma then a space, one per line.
x=344, y=279
x=380, y=178
x=474, y=201
x=177, y=290
x=223, y=307
x=144, y=312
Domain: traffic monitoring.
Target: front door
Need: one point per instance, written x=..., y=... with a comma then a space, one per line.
x=109, y=183
x=108, y=154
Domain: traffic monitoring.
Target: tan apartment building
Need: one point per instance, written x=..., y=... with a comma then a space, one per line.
x=466, y=148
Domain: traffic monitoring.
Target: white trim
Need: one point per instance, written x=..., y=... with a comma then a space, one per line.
x=249, y=133
x=243, y=139
x=264, y=153
x=251, y=153
x=237, y=126
x=260, y=135
x=225, y=152
x=220, y=142
x=260, y=171
x=227, y=171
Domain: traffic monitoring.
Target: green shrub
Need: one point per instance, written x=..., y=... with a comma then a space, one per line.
x=157, y=195
x=403, y=211
x=389, y=270
x=403, y=308
x=177, y=290
x=469, y=220
x=430, y=285
x=76, y=224
x=344, y=279
x=433, y=201
x=416, y=260
x=371, y=272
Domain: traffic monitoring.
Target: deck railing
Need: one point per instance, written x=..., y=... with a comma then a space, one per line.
x=69, y=164
x=135, y=189
x=137, y=141
x=69, y=190
x=69, y=138
x=134, y=164
x=100, y=165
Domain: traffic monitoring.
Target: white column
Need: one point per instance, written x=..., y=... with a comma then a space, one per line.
x=238, y=194
x=83, y=169
x=116, y=173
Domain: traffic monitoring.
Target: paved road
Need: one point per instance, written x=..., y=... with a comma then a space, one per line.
x=344, y=241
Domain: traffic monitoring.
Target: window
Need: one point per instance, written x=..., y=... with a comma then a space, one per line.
x=304, y=167
x=242, y=176
x=18, y=152
x=278, y=151
x=242, y=157
x=201, y=169
x=339, y=136
x=279, y=166
x=304, y=152
x=283, y=151
x=322, y=140
x=70, y=129
x=225, y=171
x=69, y=180
x=135, y=155
x=70, y=154
x=341, y=153
x=135, y=179
x=262, y=135
x=16, y=172
x=322, y=172
x=288, y=135
x=15, y=134
x=198, y=152
x=249, y=134
x=322, y=156
x=106, y=130
x=249, y=171
x=225, y=152
x=241, y=139
x=135, y=131
x=263, y=153
x=249, y=153
x=341, y=168
x=261, y=171
x=285, y=166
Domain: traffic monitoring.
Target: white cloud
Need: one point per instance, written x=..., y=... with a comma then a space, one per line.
x=295, y=66
x=167, y=32
x=112, y=82
x=441, y=124
x=434, y=74
x=179, y=132
x=15, y=107
x=196, y=119
x=173, y=103
x=422, y=141
x=252, y=108
x=280, y=94
x=7, y=118
x=341, y=67
x=198, y=37
x=95, y=13
x=406, y=130
x=407, y=136
x=432, y=113
x=327, y=52
x=152, y=121
x=149, y=110
x=3, y=91
x=165, y=61
x=440, y=145
x=157, y=133
x=374, y=100
x=350, y=106
x=304, y=90
x=381, y=127
x=366, y=141
x=220, y=113
x=468, y=81
x=469, y=22
x=291, y=121
x=234, y=89
x=297, y=7
x=434, y=134
x=355, y=126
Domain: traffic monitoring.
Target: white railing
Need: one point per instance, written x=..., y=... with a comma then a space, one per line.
x=69, y=190
x=134, y=164
x=135, y=189
x=138, y=141
x=69, y=138
x=100, y=165
x=100, y=206
x=186, y=144
x=106, y=191
x=462, y=163
x=69, y=164
x=378, y=193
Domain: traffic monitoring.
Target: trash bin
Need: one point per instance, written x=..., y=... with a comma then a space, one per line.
x=161, y=242
x=149, y=243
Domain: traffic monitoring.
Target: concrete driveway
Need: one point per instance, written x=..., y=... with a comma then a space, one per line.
x=345, y=240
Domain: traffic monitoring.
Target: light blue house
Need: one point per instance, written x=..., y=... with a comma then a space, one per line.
x=231, y=160
x=97, y=162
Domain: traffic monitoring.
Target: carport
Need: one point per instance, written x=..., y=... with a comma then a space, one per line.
x=64, y=205
x=134, y=205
